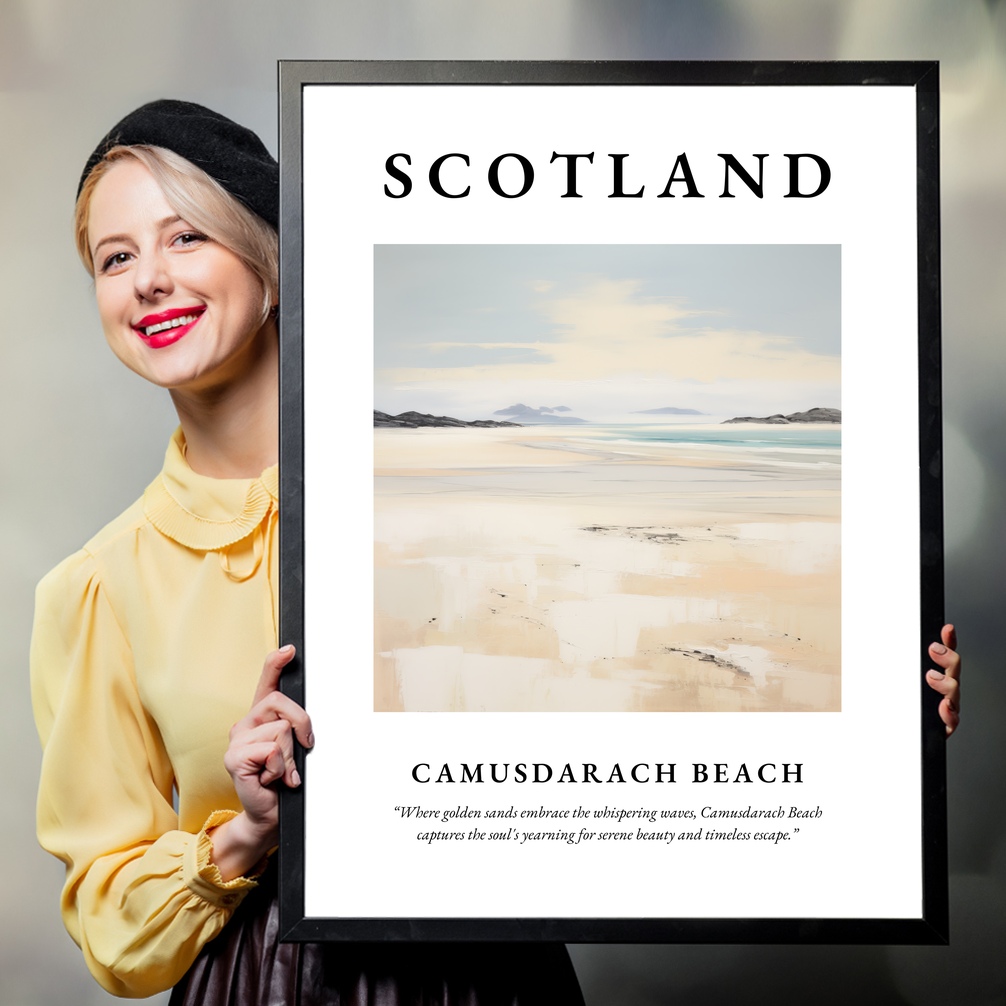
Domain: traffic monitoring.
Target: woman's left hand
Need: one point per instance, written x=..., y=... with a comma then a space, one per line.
x=948, y=681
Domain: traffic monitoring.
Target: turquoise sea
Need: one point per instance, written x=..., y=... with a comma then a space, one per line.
x=774, y=438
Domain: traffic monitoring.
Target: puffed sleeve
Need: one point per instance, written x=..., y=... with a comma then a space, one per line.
x=141, y=898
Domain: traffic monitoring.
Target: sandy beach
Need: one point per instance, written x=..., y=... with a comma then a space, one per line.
x=565, y=569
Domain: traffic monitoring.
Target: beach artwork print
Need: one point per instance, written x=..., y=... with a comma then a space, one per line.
x=607, y=478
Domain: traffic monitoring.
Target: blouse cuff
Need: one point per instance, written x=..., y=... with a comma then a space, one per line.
x=202, y=876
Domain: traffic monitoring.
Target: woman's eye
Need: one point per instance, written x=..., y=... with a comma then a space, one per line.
x=189, y=238
x=114, y=261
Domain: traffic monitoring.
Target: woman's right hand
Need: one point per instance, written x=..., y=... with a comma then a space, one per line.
x=259, y=754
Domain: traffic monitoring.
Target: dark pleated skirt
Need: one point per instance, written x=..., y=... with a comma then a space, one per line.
x=246, y=965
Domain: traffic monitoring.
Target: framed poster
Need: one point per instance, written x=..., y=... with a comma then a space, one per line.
x=611, y=501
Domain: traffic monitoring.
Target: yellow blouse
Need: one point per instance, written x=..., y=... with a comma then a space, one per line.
x=147, y=647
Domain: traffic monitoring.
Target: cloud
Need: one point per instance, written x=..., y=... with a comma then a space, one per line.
x=610, y=328
x=543, y=349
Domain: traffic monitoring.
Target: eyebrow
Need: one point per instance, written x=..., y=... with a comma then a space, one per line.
x=111, y=238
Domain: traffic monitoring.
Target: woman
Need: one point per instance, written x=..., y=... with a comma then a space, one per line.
x=148, y=643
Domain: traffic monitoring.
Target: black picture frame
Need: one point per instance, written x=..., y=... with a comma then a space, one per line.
x=931, y=927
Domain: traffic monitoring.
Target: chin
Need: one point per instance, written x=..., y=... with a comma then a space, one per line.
x=191, y=364
x=173, y=374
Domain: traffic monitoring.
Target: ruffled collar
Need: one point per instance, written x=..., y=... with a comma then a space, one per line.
x=203, y=513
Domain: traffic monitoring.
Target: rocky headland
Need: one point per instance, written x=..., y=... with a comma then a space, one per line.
x=413, y=420
x=810, y=416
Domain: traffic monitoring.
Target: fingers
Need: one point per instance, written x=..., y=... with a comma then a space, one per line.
x=948, y=709
x=262, y=761
x=949, y=636
x=277, y=706
x=947, y=681
x=261, y=749
x=947, y=686
x=948, y=660
x=271, y=671
x=270, y=703
x=950, y=716
x=945, y=655
x=265, y=751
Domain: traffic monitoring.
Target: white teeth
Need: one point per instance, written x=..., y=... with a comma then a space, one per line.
x=173, y=323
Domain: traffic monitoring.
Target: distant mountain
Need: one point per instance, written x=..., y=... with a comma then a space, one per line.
x=526, y=410
x=413, y=420
x=811, y=416
x=543, y=414
x=670, y=410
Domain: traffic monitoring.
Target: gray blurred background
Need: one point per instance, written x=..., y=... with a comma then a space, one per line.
x=82, y=436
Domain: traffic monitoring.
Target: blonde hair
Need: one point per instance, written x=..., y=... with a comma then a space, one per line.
x=199, y=200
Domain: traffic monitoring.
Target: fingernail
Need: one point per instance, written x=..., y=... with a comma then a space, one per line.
x=936, y=675
x=938, y=648
x=287, y=649
x=295, y=777
x=310, y=740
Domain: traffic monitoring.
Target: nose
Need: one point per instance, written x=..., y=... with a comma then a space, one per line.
x=152, y=277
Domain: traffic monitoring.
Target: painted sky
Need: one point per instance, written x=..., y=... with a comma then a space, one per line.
x=607, y=330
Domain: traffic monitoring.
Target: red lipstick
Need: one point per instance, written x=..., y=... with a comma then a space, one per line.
x=165, y=324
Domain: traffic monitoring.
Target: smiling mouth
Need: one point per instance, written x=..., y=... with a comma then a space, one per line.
x=166, y=324
x=167, y=327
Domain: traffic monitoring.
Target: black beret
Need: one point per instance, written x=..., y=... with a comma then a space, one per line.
x=230, y=154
